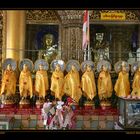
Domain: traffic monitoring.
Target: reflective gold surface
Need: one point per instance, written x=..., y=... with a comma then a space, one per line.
x=15, y=32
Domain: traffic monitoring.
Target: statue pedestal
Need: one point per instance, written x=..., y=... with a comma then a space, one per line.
x=105, y=104
x=89, y=105
x=8, y=104
x=24, y=103
x=39, y=104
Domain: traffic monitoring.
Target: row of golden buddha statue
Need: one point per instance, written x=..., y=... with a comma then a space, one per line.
x=70, y=84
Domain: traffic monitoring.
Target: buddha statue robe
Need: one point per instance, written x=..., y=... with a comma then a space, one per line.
x=122, y=85
x=105, y=87
x=88, y=84
x=25, y=84
x=8, y=82
x=57, y=83
x=41, y=83
x=136, y=85
x=72, y=85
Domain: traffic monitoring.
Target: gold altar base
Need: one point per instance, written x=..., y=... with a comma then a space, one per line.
x=89, y=105
x=105, y=104
x=24, y=103
x=39, y=103
x=8, y=103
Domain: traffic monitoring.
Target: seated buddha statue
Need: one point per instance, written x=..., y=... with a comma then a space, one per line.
x=49, y=50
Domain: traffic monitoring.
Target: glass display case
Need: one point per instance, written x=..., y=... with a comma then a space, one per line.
x=129, y=113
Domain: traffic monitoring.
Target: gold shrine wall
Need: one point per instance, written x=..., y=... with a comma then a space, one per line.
x=70, y=29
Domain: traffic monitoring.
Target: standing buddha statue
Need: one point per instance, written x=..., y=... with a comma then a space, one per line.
x=41, y=79
x=25, y=80
x=122, y=85
x=88, y=80
x=136, y=80
x=72, y=86
x=57, y=78
x=8, y=88
x=105, y=87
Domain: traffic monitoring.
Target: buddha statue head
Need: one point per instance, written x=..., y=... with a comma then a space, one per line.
x=104, y=68
x=9, y=67
x=139, y=68
x=57, y=67
x=25, y=67
x=123, y=66
x=41, y=67
x=48, y=40
x=88, y=68
x=73, y=68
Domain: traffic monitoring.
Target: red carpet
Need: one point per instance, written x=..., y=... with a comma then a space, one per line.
x=77, y=111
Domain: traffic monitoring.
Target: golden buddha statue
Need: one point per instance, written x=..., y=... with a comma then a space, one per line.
x=122, y=85
x=72, y=86
x=49, y=50
x=57, y=78
x=41, y=78
x=25, y=81
x=8, y=87
x=105, y=87
x=136, y=82
x=88, y=80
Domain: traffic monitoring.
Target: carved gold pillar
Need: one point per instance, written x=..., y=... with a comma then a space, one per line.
x=15, y=41
x=72, y=42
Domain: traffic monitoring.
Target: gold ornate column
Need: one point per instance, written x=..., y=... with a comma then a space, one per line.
x=71, y=34
x=72, y=42
x=15, y=34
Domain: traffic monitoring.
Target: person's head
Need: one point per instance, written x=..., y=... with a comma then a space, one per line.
x=58, y=67
x=9, y=67
x=48, y=100
x=88, y=68
x=25, y=67
x=40, y=67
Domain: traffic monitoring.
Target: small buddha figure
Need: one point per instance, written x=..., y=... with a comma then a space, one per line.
x=25, y=83
x=8, y=82
x=122, y=85
x=88, y=83
x=72, y=85
x=41, y=82
x=105, y=87
x=136, y=84
x=57, y=82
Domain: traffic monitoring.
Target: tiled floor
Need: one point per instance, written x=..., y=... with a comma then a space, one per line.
x=84, y=119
